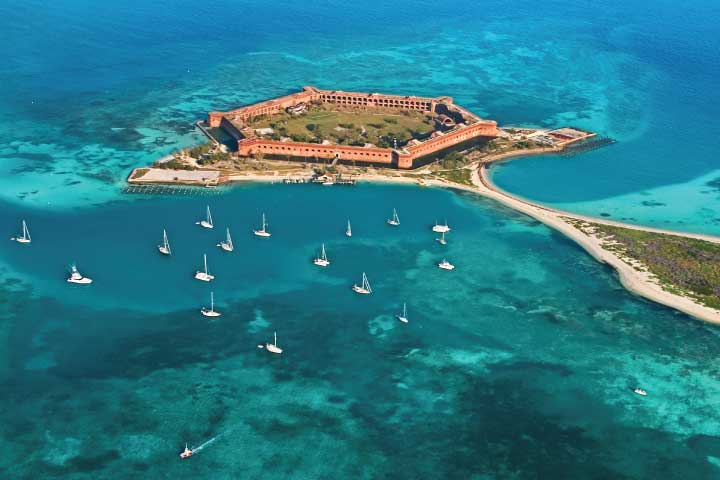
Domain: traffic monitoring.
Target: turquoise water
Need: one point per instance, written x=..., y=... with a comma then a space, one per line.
x=518, y=364
x=519, y=361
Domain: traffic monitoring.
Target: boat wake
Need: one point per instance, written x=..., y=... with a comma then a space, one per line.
x=207, y=443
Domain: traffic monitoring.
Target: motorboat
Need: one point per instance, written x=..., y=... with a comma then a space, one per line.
x=76, y=277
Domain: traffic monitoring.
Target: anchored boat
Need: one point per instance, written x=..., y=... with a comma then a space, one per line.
x=76, y=277
x=204, y=275
x=445, y=265
x=210, y=312
x=437, y=228
x=165, y=247
x=208, y=222
x=25, y=237
x=272, y=347
x=322, y=260
x=263, y=231
x=403, y=318
x=227, y=245
x=363, y=289
x=348, y=232
x=395, y=220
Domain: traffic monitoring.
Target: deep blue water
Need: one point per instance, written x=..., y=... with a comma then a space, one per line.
x=518, y=364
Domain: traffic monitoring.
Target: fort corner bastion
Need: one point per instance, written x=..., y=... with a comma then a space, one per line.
x=455, y=127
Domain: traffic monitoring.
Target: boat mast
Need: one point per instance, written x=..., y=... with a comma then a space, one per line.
x=275, y=335
x=229, y=240
x=322, y=255
x=212, y=302
x=209, y=215
x=404, y=310
x=26, y=232
x=205, y=261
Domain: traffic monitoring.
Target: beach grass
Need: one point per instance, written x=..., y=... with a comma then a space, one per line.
x=682, y=265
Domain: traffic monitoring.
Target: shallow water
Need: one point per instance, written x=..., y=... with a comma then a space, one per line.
x=518, y=364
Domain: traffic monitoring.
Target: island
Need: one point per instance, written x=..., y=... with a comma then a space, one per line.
x=336, y=137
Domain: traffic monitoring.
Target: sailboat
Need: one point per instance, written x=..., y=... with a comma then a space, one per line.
x=395, y=220
x=348, y=232
x=25, y=235
x=208, y=222
x=211, y=311
x=445, y=265
x=272, y=347
x=165, y=247
x=322, y=260
x=364, y=288
x=227, y=245
x=263, y=231
x=441, y=228
x=442, y=240
x=403, y=318
x=204, y=276
x=75, y=277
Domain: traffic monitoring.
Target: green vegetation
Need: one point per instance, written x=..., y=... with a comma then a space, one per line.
x=453, y=160
x=139, y=172
x=207, y=153
x=174, y=164
x=682, y=265
x=347, y=128
x=460, y=175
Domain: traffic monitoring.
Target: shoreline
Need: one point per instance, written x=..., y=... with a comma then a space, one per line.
x=640, y=283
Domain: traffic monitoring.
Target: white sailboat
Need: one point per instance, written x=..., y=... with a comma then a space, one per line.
x=395, y=220
x=364, y=288
x=208, y=222
x=227, y=245
x=322, y=260
x=272, y=347
x=211, y=311
x=204, y=275
x=437, y=228
x=263, y=231
x=403, y=318
x=165, y=247
x=25, y=238
x=348, y=232
x=445, y=265
x=442, y=240
x=75, y=277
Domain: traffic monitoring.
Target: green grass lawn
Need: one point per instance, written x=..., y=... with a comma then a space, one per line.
x=348, y=128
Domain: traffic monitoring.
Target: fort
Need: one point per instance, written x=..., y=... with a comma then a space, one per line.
x=431, y=125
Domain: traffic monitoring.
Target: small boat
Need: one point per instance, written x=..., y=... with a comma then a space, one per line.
x=328, y=183
x=422, y=182
x=263, y=231
x=442, y=240
x=395, y=220
x=322, y=260
x=364, y=288
x=75, y=277
x=165, y=247
x=348, y=232
x=25, y=238
x=640, y=391
x=204, y=275
x=272, y=347
x=445, y=265
x=208, y=222
x=441, y=228
x=210, y=312
x=403, y=318
x=186, y=453
x=227, y=245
